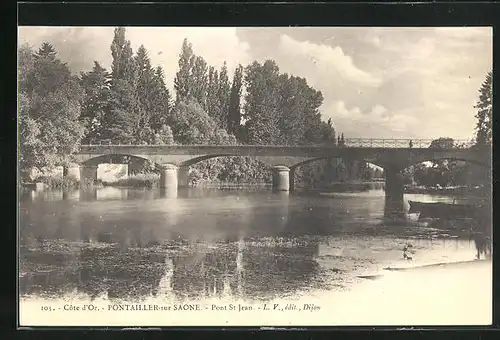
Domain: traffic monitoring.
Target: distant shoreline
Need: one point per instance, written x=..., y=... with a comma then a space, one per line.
x=443, y=191
x=433, y=266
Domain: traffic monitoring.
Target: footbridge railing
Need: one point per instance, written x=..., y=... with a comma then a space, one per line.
x=406, y=143
x=348, y=142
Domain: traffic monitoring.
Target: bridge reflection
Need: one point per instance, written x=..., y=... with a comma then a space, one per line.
x=181, y=248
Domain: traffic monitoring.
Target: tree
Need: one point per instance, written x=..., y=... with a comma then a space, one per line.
x=291, y=102
x=49, y=109
x=122, y=66
x=261, y=108
x=442, y=143
x=183, y=83
x=212, y=107
x=234, y=114
x=484, y=113
x=217, y=96
x=95, y=103
x=121, y=122
x=199, y=81
x=161, y=101
x=144, y=93
x=192, y=124
x=164, y=136
x=223, y=95
x=48, y=73
x=300, y=120
x=328, y=133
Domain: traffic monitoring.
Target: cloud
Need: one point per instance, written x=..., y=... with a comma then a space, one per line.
x=77, y=46
x=354, y=122
x=331, y=60
x=214, y=44
x=80, y=46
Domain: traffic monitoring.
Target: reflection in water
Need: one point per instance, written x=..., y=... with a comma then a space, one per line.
x=168, y=193
x=394, y=209
x=132, y=244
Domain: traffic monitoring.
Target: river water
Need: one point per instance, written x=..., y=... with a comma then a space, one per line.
x=118, y=244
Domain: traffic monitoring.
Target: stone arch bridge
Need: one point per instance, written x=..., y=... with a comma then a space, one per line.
x=174, y=160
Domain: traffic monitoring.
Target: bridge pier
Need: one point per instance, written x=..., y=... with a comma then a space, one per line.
x=168, y=177
x=281, y=178
x=291, y=179
x=394, y=192
x=88, y=172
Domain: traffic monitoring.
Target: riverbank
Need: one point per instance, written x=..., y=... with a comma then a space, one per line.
x=452, y=191
x=60, y=183
x=151, y=180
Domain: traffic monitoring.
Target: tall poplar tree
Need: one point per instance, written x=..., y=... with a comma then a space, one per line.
x=121, y=121
x=199, y=79
x=223, y=95
x=183, y=83
x=161, y=102
x=144, y=94
x=484, y=112
x=234, y=114
x=212, y=88
x=122, y=66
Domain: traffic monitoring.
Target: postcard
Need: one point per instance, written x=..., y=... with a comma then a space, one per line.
x=254, y=176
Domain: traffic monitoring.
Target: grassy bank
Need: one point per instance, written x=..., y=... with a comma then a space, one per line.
x=151, y=180
x=66, y=183
x=444, y=191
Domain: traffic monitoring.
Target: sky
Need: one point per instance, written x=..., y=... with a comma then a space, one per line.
x=376, y=82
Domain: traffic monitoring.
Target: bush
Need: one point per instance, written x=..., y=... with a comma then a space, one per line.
x=58, y=182
x=88, y=183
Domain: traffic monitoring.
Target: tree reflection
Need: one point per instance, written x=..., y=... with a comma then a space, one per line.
x=394, y=208
x=246, y=269
x=133, y=274
x=275, y=269
x=203, y=272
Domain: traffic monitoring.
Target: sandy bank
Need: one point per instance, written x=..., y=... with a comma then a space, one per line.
x=443, y=294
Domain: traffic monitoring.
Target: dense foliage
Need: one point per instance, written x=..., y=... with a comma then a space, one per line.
x=49, y=109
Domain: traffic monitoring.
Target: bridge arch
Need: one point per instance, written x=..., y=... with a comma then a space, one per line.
x=421, y=160
x=236, y=171
x=333, y=176
x=311, y=160
x=117, y=159
x=271, y=161
x=202, y=158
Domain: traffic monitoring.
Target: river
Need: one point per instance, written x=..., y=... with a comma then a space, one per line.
x=118, y=244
